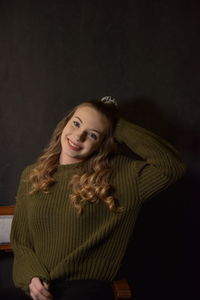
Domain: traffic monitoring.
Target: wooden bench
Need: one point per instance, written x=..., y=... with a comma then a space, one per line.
x=6, y=215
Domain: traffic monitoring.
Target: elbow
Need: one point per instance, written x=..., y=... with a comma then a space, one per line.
x=176, y=171
x=184, y=169
x=181, y=169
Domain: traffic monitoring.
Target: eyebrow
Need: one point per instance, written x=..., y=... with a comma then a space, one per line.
x=91, y=128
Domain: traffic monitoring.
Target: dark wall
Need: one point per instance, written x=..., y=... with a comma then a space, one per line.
x=54, y=54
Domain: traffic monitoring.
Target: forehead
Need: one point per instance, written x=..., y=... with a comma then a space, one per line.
x=91, y=118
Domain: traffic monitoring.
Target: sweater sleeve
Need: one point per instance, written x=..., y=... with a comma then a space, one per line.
x=26, y=263
x=160, y=164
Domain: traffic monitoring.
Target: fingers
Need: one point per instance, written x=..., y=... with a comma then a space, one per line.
x=39, y=294
x=39, y=290
x=45, y=285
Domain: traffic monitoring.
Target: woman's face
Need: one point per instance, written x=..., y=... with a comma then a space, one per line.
x=83, y=134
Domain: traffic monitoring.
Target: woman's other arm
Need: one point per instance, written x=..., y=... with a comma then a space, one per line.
x=26, y=263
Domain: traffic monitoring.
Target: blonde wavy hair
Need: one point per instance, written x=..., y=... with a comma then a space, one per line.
x=91, y=183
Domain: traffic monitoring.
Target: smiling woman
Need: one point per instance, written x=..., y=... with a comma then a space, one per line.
x=83, y=134
x=81, y=198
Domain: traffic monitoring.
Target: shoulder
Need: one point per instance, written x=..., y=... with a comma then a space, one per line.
x=122, y=161
x=26, y=171
x=127, y=164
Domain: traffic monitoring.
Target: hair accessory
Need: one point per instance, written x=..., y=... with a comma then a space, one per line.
x=109, y=100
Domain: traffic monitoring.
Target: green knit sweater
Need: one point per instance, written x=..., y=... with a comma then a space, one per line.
x=51, y=241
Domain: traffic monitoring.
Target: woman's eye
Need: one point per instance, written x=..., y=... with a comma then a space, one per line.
x=76, y=124
x=93, y=136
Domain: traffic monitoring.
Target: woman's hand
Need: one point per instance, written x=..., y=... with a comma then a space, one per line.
x=39, y=290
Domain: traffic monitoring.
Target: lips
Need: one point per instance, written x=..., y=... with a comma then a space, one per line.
x=73, y=146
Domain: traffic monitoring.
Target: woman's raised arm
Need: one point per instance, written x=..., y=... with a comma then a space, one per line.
x=160, y=163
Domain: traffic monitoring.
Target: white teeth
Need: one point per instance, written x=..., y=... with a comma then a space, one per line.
x=73, y=145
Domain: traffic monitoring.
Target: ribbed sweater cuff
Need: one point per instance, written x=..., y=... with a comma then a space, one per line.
x=26, y=267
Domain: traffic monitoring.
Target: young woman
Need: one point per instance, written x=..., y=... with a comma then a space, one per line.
x=77, y=205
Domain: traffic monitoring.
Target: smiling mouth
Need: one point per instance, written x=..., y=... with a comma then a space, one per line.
x=73, y=146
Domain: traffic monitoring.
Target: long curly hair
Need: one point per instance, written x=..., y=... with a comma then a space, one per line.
x=91, y=183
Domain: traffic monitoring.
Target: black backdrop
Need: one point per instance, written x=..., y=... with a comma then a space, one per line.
x=54, y=54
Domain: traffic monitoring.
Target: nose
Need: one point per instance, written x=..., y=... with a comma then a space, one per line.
x=80, y=136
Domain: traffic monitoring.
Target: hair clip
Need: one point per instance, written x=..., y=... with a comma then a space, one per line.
x=109, y=100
